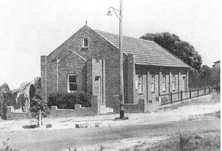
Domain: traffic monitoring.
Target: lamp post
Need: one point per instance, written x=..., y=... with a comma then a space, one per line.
x=120, y=17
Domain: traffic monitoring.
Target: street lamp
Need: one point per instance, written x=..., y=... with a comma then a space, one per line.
x=119, y=15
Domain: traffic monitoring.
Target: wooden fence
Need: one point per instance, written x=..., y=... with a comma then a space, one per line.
x=173, y=97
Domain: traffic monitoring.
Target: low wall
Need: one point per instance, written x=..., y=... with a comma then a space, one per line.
x=129, y=108
x=78, y=111
x=152, y=106
x=11, y=114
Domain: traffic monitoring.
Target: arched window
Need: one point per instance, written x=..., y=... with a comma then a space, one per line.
x=85, y=42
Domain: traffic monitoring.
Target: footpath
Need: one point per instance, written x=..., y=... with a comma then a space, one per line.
x=190, y=112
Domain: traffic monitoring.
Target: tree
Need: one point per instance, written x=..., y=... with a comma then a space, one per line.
x=37, y=82
x=4, y=88
x=39, y=108
x=177, y=47
x=215, y=79
x=6, y=99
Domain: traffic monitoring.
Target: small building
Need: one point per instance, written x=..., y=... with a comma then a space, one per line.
x=216, y=64
x=89, y=61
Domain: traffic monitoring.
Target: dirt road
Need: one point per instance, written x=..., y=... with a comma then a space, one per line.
x=56, y=140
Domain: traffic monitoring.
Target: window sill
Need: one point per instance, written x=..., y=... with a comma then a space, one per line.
x=71, y=91
x=84, y=48
x=140, y=93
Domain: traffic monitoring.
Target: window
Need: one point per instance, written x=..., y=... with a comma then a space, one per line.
x=164, y=83
x=85, y=42
x=174, y=82
x=184, y=83
x=72, y=85
x=140, y=83
x=153, y=83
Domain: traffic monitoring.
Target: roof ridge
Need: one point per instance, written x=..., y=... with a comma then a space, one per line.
x=125, y=36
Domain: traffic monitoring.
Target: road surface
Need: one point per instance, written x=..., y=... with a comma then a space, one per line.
x=57, y=140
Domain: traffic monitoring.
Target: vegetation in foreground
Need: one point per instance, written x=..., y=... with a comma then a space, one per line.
x=196, y=141
x=6, y=147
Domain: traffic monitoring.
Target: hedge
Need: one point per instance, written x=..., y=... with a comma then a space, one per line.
x=68, y=100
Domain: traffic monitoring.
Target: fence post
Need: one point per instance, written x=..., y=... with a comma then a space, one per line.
x=171, y=97
x=209, y=90
x=197, y=92
x=181, y=95
x=190, y=94
x=204, y=91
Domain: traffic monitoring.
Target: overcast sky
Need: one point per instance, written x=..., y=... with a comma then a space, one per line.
x=31, y=28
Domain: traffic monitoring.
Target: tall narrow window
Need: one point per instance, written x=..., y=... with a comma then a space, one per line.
x=164, y=83
x=85, y=42
x=72, y=85
x=184, y=83
x=174, y=82
x=153, y=83
x=140, y=83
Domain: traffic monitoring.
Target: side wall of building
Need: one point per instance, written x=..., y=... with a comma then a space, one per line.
x=158, y=81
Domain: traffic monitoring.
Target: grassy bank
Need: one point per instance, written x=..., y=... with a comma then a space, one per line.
x=189, y=141
x=214, y=98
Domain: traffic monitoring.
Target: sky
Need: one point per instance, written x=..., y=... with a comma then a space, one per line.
x=30, y=28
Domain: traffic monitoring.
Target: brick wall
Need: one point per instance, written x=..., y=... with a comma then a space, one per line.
x=10, y=115
x=43, y=76
x=98, y=48
x=129, y=107
x=151, y=97
x=72, y=64
x=129, y=75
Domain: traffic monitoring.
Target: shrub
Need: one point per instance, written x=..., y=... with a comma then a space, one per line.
x=37, y=105
x=68, y=100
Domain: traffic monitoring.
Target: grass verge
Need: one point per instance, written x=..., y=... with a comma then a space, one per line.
x=187, y=141
x=214, y=98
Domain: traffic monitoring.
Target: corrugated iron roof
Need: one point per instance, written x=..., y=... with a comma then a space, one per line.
x=146, y=52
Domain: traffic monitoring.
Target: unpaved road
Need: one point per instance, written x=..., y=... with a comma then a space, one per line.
x=56, y=140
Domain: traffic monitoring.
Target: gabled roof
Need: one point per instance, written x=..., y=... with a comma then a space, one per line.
x=217, y=62
x=146, y=52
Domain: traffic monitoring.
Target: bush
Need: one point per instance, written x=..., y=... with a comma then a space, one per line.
x=37, y=105
x=68, y=100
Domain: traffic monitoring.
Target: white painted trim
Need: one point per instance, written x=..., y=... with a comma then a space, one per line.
x=68, y=83
x=79, y=56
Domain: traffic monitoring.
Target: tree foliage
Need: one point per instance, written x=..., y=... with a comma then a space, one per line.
x=205, y=77
x=4, y=88
x=177, y=47
x=37, y=82
x=37, y=105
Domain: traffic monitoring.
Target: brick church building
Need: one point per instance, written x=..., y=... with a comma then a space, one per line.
x=89, y=61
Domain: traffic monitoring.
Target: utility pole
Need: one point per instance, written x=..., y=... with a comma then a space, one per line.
x=120, y=17
x=121, y=95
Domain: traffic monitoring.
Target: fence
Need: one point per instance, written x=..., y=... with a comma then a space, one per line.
x=173, y=97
